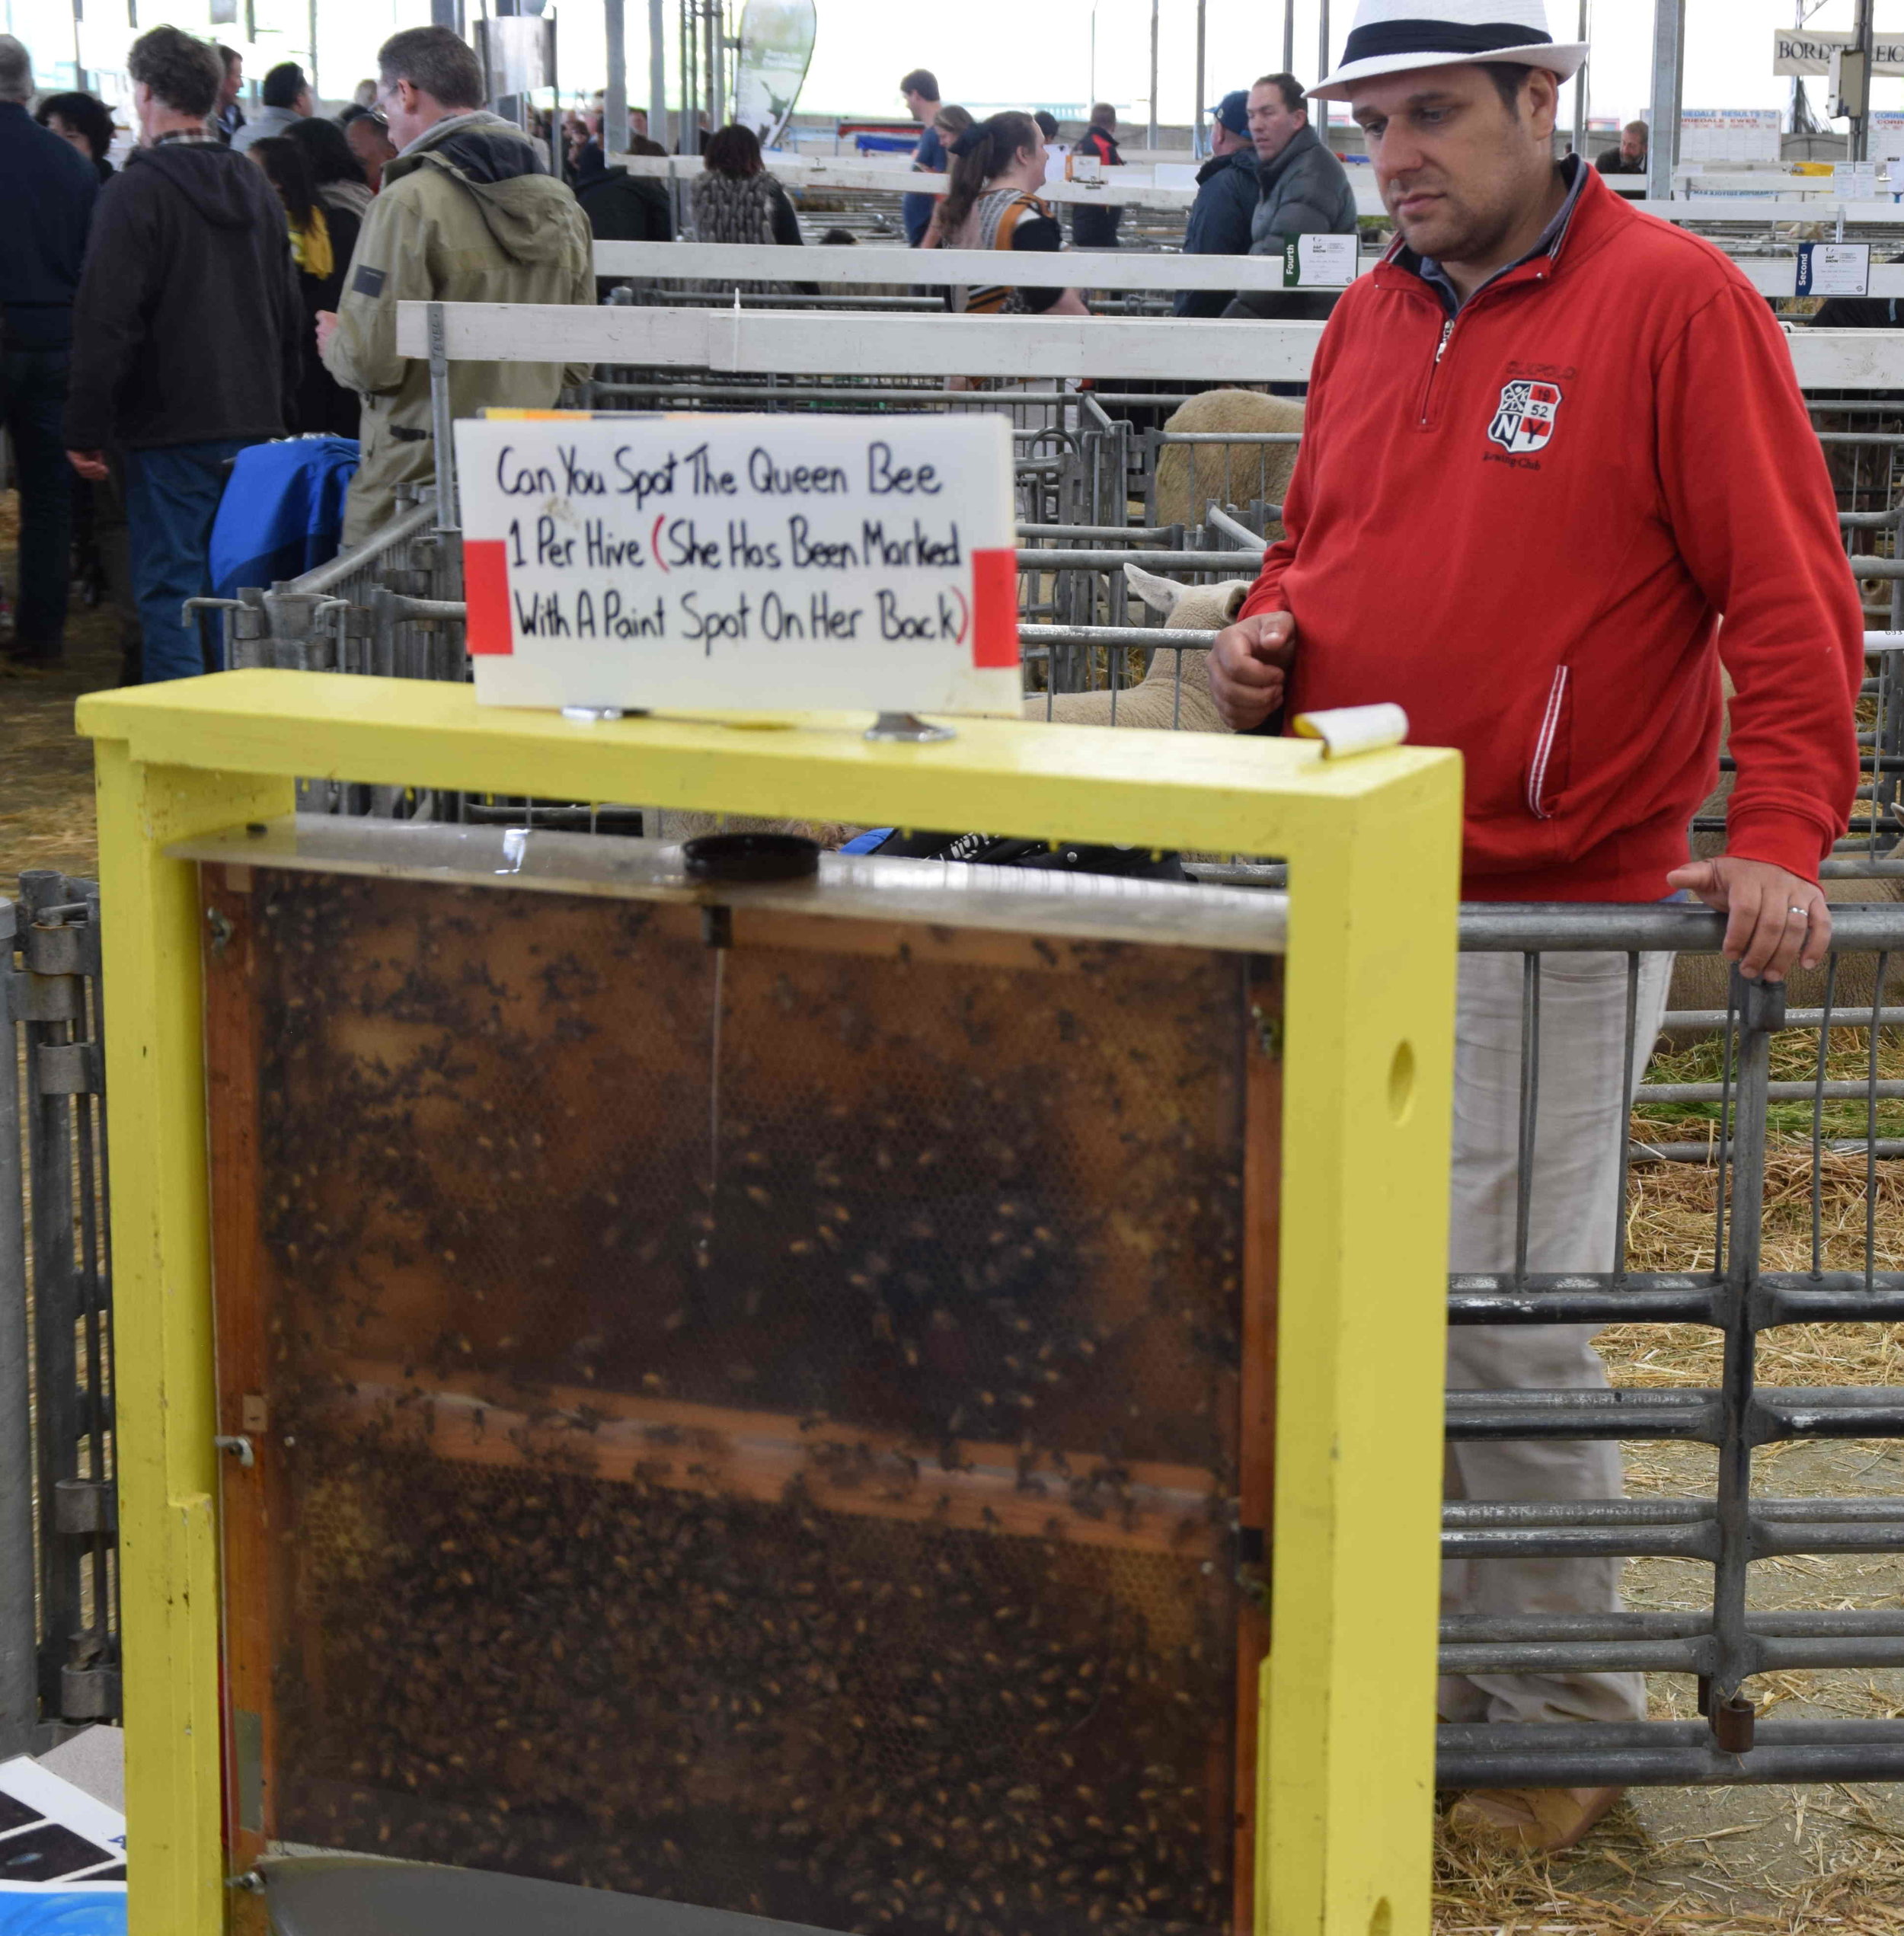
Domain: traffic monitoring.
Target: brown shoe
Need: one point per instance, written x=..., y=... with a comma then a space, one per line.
x=1545, y=1818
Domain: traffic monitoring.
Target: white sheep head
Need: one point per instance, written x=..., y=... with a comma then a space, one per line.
x=1188, y=608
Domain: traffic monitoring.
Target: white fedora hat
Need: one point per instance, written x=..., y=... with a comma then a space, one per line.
x=1391, y=36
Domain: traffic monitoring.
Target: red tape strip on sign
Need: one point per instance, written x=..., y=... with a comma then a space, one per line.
x=486, y=588
x=994, y=608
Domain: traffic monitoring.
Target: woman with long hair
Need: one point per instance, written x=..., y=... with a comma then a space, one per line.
x=736, y=199
x=948, y=124
x=321, y=241
x=991, y=203
x=338, y=174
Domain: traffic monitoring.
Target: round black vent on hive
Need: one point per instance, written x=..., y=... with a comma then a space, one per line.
x=732, y=856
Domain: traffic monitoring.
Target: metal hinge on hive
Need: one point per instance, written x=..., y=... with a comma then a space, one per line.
x=69, y=1069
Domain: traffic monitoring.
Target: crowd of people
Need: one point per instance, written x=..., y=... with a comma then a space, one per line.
x=1609, y=455
x=236, y=282
x=1269, y=177
x=236, y=279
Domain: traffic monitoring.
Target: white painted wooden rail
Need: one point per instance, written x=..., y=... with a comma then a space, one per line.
x=1034, y=347
x=1087, y=269
x=894, y=178
x=1778, y=276
x=858, y=265
x=897, y=178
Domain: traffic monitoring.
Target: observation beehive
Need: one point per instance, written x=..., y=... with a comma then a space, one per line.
x=809, y=1399
x=755, y=1401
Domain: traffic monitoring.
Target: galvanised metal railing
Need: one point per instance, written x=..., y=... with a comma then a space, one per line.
x=59, y=1581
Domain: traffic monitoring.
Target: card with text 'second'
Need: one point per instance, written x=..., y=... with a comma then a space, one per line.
x=762, y=563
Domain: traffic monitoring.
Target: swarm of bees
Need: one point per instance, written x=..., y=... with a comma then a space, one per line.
x=505, y=1149
x=831, y=1720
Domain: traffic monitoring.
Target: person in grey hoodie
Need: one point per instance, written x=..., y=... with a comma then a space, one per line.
x=468, y=213
x=287, y=100
x=1301, y=190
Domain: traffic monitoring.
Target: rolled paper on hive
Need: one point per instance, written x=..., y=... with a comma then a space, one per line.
x=1347, y=729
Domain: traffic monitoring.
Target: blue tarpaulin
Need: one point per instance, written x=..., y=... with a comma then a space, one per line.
x=282, y=514
x=63, y=1912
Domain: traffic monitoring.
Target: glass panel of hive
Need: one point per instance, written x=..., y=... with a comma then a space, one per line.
x=753, y=1401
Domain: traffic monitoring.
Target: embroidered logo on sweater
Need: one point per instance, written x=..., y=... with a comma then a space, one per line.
x=1525, y=419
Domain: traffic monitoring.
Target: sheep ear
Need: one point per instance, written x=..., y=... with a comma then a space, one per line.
x=1233, y=597
x=1160, y=594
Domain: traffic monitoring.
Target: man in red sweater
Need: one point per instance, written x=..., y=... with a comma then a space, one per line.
x=1552, y=442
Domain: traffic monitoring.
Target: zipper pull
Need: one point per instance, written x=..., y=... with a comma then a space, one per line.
x=1447, y=331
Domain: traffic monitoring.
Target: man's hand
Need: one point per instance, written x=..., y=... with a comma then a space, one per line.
x=326, y=329
x=1247, y=668
x=1776, y=917
x=89, y=464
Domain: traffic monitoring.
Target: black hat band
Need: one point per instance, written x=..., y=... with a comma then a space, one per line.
x=1436, y=37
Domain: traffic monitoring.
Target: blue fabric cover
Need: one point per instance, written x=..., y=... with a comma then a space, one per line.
x=282, y=512
x=63, y=1912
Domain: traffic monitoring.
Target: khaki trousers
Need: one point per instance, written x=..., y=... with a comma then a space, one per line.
x=1585, y=1079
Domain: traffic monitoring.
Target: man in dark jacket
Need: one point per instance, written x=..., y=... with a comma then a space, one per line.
x=228, y=117
x=621, y=207
x=1629, y=157
x=1301, y=190
x=1094, y=226
x=920, y=90
x=51, y=189
x=186, y=334
x=1219, y=218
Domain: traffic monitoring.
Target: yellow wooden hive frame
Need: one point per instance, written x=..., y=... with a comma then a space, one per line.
x=1373, y=843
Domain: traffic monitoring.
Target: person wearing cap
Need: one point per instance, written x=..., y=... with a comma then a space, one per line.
x=1219, y=218
x=1551, y=442
x=1300, y=189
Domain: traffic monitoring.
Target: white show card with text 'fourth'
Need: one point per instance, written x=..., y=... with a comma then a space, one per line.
x=761, y=563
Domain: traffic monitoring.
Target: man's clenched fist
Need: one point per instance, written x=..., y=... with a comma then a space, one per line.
x=1247, y=666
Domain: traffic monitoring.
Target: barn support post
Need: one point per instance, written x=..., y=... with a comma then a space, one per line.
x=659, y=125
x=615, y=96
x=1582, y=34
x=1668, y=83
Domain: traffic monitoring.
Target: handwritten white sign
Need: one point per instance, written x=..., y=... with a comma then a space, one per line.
x=749, y=562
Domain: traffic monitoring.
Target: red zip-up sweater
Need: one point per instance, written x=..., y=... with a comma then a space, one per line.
x=1524, y=524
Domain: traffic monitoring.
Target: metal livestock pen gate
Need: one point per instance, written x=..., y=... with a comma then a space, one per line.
x=1071, y=565
x=394, y=609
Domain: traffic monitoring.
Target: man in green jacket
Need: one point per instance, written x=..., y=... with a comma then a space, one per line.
x=468, y=213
